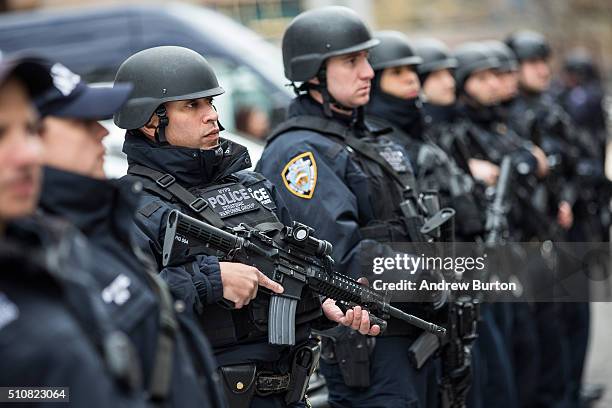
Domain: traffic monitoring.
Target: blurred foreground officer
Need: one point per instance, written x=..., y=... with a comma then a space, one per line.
x=53, y=330
x=178, y=367
x=338, y=177
x=174, y=150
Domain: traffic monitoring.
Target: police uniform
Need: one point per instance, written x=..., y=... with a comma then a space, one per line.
x=434, y=171
x=333, y=178
x=576, y=177
x=543, y=121
x=178, y=367
x=230, y=195
x=54, y=331
x=212, y=185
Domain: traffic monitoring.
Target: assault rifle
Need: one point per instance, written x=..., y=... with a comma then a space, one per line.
x=295, y=259
x=496, y=222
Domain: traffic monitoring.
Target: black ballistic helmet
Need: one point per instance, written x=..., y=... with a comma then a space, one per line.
x=503, y=53
x=435, y=55
x=472, y=57
x=394, y=50
x=580, y=63
x=528, y=45
x=316, y=35
x=159, y=75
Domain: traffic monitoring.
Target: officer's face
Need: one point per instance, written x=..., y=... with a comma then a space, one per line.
x=401, y=82
x=192, y=123
x=439, y=88
x=535, y=75
x=483, y=86
x=508, y=85
x=74, y=145
x=349, y=77
x=20, y=153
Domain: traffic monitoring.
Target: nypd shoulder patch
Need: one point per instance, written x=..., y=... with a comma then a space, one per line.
x=300, y=175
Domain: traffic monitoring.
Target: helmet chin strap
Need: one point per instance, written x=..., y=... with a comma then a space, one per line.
x=160, y=132
x=328, y=98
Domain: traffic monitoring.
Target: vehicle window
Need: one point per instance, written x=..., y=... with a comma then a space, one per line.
x=248, y=104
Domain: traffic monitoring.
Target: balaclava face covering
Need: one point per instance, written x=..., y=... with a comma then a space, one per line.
x=404, y=113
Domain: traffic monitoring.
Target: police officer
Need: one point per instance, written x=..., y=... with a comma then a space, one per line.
x=395, y=102
x=174, y=149
x=437, y=81
x=582, y=95
x=53, y=329
x=575, y=164
x=486, y=140
x=507, y=72
x=177, y=362
x=333, y=174
x=438, y=90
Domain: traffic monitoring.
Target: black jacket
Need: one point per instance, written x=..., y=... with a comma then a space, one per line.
x=434, y=168
x=104, y=211
x=197, y=280
x=53, y=328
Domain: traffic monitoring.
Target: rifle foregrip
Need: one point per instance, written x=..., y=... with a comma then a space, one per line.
x=344, y=306
x=378, y=321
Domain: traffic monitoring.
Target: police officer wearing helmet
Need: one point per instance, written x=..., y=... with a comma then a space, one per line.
x=577, y=170
x=485, y=140
x=54, y=331
x=440, y=114
x=333, y=171
x=437, y=82
x=174, y=149
x=582, y=94
x=395, y=102
x=75, y=188
x=507, y=72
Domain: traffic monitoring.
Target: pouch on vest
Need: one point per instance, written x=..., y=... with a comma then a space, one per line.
x=239, y=384
x=304, y=362
x=351, y=351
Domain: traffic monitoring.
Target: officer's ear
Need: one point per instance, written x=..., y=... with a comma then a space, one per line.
x=149, y=129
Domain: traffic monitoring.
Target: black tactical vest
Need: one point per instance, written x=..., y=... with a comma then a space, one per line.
x=234, y=202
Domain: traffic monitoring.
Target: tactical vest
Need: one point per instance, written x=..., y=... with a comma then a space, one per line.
x=382, y=160
x=227, y=205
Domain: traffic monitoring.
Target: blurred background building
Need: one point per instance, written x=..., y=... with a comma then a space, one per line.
x=568, y=23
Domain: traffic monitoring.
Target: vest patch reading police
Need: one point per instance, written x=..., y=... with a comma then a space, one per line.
x=300, y=175
x=395, y=158
x=231, y=200
x=261, y=194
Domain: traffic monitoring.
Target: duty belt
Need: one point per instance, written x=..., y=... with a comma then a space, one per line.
x=267, y=383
